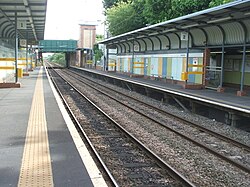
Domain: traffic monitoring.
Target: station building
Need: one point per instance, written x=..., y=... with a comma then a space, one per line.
x=206, y=49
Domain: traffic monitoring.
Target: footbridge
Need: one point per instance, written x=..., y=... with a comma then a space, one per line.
x=59, y=46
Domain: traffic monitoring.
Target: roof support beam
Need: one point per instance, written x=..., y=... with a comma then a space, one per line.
x=119, y=46
x=179, y=39
x=139, y=44
x=222, y=55
x=169, y=42
x=152, y=43
x=243, y=57
x=129, y=48
x=159, y=42
x=145, y=43
x=2, y=12
x=124, y=47
x=5, y=27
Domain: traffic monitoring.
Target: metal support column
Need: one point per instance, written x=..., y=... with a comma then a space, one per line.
x=222, y=58
x=243, y=64
x=107, y=60
x=187, y=54
x=243, y=69
x=133, y=56
x=16, y=48
x=26, y=51
x=222, y=66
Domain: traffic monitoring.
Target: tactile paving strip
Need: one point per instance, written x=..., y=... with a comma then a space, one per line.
x=36, y=163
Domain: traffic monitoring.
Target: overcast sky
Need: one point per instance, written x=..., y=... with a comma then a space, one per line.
x=64, y=16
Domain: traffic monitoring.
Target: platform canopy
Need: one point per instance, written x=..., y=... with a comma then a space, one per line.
x=30, y=16
x=225, y=25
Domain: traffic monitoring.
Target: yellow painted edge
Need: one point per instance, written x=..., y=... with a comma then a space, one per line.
x=193, y=65
x=7, y=67
x=11, y=59
x=138, y=66
x=196, y=72
x=138, y=62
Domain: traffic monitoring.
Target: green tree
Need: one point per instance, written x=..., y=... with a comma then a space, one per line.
x=218, y=2
x=97, y=52
x=156, y=11
x=109, y=3
x=127, y=15
x=124, y=17
x=99, y=38
x=58, y=58
x=185, y=7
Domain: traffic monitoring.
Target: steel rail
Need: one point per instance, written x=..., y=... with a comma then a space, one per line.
x=229, y=160
x=188, y=122
x=171, y=171
x=79, y=127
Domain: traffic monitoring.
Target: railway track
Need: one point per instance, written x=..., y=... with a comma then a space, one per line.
x=148, y=138
x=125, y=159
x=199, y=134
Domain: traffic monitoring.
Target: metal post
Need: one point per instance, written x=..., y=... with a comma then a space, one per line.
x=31, y=56
x=16, y=47
x=187, y=54
x=222, y=66
x=26, y=51
x=243, y=68
x=222, y=57
x=133, y=56
x=107, y=60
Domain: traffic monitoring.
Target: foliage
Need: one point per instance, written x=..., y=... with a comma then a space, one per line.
x=157, y=10
x=185, y=7
x=57, y=58
x=127, y=15
x=218, y=2
x=99, y=37
x=97, y=52
x=109, y=3
x=124, y=17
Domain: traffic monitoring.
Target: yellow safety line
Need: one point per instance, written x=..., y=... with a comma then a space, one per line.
x=138, y=62
x=36, y=167
x=11, y=59
x=7, y=67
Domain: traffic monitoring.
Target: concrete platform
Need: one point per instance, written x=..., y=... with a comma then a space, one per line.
x=69, y=159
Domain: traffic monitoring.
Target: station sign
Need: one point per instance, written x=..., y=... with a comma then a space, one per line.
x=21, y=24
x=136, y=47
x=23, y=42
x=184, y=36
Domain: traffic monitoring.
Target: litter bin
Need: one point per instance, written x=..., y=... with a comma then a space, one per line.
x=184, y=76
x=19, y=72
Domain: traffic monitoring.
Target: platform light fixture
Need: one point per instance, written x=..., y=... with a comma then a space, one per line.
x=248, y=51
x=188, y=26
x=217, y=52
x=25, y=2
x=220, y=19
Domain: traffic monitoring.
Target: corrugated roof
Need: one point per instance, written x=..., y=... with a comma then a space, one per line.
x=235, y=12
x=29, y=12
